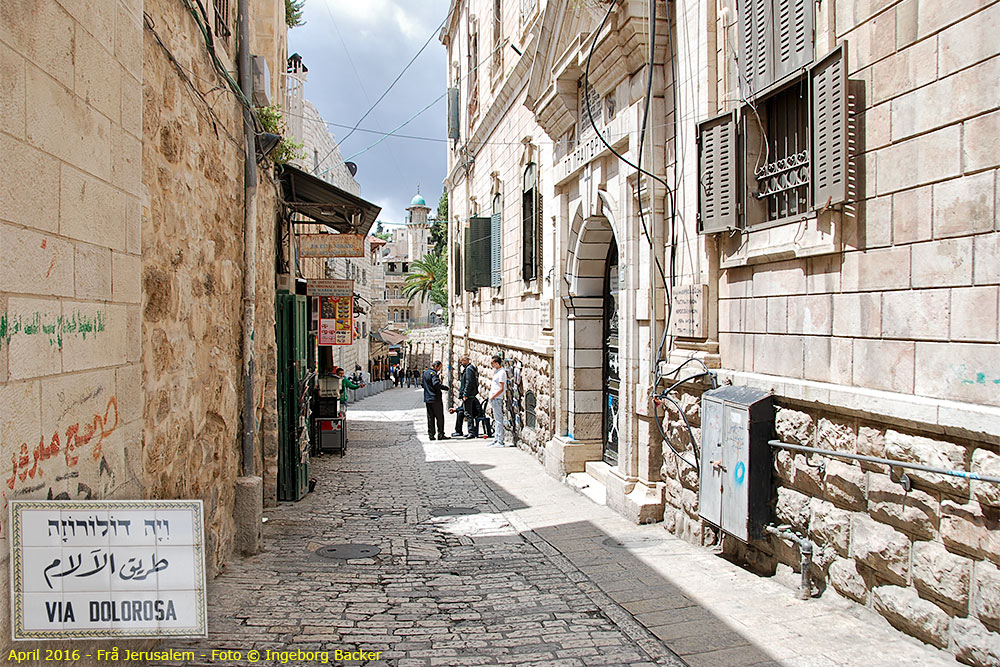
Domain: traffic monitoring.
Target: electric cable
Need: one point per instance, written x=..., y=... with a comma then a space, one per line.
x=394, y=81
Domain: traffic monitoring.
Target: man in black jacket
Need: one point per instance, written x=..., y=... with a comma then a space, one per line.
x=467, y=392
x=433, y=387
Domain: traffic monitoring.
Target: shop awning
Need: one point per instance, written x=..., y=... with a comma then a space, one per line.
x=326, y=203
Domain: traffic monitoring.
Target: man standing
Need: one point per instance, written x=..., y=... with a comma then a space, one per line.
x=497, y=388
x=467, y=392
x=433, y=401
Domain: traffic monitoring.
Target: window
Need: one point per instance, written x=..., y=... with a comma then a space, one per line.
x=457, y=254
x=482, y=251
x=531, y=218
x=530, y=419
x=496, y=247
x=496, y=64
x=473, y=73
x=222, y=30
x=783, y=154
x=528, y=10
x=406, y=267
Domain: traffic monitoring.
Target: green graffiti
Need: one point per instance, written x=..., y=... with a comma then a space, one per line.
x=55, y=328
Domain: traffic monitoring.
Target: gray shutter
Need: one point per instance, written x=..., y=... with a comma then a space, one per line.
x=467, y=282
x=538, y=234
x=829, y=129
x=479, y=255
x=793, y=36
x=717, y=174
x=756, y=58
x=496, y=250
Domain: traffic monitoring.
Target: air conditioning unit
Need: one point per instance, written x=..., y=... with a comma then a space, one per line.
x=261, y=82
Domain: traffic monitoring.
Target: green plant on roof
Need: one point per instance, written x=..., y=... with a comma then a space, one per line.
x=293, y=12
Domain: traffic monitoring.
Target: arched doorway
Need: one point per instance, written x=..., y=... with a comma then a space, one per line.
x=610, y=376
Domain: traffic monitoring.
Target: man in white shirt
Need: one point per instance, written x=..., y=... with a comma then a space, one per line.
x=497, y=388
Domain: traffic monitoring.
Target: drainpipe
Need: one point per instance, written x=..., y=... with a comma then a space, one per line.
x=249, y=239
x=248, y=511
x=806, y=549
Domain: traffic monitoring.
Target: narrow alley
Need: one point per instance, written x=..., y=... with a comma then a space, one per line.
x=484, y=560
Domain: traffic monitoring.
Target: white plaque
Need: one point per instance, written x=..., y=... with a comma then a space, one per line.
x=107, y=568
x=688, y=315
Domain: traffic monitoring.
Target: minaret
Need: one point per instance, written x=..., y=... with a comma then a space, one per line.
x=417, y=227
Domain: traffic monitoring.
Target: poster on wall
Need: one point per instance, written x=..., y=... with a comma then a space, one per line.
x=104, y=569
x=331, y=245
x=336, y=320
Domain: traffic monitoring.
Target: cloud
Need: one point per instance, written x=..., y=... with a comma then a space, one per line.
x=367, y=13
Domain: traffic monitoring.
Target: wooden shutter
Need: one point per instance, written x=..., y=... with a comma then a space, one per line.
x=495, y=251
x=717, y=174
x=467, y=269
x=539, y=221
x=793, y=36
x=756, y=58
x=528, y=235
x=477, y=257
x=829, y=129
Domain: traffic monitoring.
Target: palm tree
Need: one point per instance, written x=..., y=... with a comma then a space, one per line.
x=428, y=278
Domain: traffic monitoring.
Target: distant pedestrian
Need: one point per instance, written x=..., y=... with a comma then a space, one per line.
x=497, y=388
x=433, y=401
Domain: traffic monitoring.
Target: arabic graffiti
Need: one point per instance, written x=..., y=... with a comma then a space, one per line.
x=56, y=327
x=132, y=570
x=25, y=463
x=29, y=463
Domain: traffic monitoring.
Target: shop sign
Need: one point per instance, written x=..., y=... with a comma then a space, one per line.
x=331, y=245
x=102, y=569
x=330, y=287
x=336, y=320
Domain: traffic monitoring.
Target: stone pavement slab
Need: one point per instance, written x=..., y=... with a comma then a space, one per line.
x=485, y=560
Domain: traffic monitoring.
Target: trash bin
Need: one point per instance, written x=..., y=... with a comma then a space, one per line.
x=332, y=435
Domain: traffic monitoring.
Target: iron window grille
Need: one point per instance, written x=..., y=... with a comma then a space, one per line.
x=222, y=30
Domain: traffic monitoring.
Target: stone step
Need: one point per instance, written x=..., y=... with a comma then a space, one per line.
x=588, y=486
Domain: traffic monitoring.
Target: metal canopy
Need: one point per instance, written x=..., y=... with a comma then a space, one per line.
x=325, y=203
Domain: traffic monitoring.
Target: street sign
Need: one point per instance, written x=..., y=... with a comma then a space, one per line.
x=329, y=287
x=331, y=245
x=107, y=568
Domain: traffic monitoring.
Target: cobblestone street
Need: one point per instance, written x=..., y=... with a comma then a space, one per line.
x=485, y=560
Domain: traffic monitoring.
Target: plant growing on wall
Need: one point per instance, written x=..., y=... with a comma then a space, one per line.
x=293, y=12
x=273, y=121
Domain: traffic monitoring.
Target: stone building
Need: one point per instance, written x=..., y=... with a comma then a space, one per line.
x=820, y=224
x=122, y=296
x=409, y=242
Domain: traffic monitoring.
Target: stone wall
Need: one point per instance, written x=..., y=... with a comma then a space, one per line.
x=536, y=377
x=925, y=558
x=71, y=399
x=192, y=233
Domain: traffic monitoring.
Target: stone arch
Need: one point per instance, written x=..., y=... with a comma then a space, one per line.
x=590, y=240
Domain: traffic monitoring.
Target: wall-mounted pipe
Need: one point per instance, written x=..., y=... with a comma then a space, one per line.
x=806, y=550
x=778, y=444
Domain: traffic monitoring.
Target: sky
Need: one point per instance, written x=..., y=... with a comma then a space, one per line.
x=354, y=49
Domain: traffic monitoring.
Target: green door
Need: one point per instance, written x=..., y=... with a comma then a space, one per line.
x=294, y=391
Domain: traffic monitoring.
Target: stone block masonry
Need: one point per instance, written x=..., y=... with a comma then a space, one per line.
x=926, y=558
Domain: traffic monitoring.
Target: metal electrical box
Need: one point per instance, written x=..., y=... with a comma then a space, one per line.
x=735, y=486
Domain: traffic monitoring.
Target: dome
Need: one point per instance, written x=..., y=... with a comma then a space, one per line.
x=418, y=200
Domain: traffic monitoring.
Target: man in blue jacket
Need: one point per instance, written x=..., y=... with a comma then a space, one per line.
x=433, y=401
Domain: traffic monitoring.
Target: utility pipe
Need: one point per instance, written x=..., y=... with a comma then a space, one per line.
x=249, y=238
x=778, y=444
x=806, y=549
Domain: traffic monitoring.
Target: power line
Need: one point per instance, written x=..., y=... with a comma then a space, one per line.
x=386, y=92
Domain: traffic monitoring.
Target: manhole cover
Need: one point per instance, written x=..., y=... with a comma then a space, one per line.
x=453, y=511
x=631, y=542
x=348, y=551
